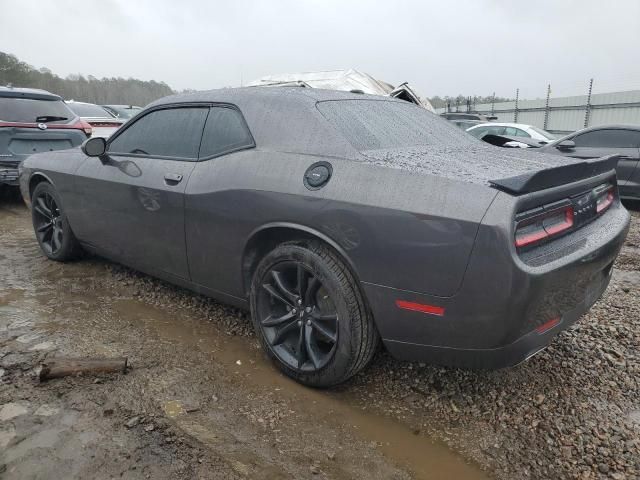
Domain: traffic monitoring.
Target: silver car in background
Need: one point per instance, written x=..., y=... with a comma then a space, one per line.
x=124, y=112
x=103, y=122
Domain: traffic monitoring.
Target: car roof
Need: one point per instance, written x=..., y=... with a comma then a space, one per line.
x=612, y=126
x=503, y=124
x=247, y=94
x=120, y=106
x=33, y=93
x=284, y=118
x=81, y=103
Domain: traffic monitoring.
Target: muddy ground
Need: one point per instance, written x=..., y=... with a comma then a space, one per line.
x=201, y=401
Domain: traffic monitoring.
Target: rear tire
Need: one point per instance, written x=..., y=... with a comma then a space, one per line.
x=310, y=315
x=50, y=224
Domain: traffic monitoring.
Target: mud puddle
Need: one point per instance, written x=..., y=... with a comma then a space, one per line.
x=240, y=357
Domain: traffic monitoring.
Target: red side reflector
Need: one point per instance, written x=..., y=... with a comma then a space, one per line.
x=548, y=326
x=419, y=307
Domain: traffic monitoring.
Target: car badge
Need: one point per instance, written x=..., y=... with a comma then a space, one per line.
x=42, y=126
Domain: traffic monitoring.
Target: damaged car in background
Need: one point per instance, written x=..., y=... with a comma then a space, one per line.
x=345, y=81
x=340, y=220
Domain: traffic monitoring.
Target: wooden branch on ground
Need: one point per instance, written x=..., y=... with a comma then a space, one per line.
x=63, y=367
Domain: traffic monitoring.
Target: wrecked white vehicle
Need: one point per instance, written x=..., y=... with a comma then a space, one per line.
x=345, y=80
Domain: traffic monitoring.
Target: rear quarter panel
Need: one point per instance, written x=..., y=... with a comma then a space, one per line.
x=397, y=229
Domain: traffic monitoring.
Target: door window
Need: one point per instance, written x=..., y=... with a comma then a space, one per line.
x=224, y=132
x=515, y=132
x=171, y=132
x=609, y=139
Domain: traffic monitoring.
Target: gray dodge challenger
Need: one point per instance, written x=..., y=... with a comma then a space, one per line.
x=340, y=220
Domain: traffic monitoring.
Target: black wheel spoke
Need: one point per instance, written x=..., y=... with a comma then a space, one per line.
x=282, y=332
x=44, y=227
x=324, y=317
x=302, y=277
x=42, y=208
x=279, y=281
x=276, y=295
x=324, y=332
x=57, y=238
x=301, y=351
x=270, y=321
x=310, y=345
x=312, y=288
x=48, y=236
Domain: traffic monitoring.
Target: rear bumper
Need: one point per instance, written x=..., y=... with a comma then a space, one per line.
x=503, y=356
x=495, y=318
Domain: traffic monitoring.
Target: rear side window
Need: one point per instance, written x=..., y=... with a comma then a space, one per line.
x=515, y=132
x=27, y=110
x=173, y=132
x=380, y=124
x=224, y=132
x=481, y=132
x=609, y=139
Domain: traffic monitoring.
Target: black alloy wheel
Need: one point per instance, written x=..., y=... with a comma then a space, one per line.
x=297, y=316
x=52, y=229
x=47, y=223
x=310, y=315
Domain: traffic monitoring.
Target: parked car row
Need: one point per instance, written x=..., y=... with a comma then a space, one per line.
x=34, y=121
x=623, y=141
x=340, y=220
x=102, y=121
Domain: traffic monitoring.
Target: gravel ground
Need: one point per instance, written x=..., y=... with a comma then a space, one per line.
x=573, y=411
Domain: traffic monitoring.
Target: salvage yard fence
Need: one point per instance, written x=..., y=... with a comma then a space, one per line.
x=562, y=115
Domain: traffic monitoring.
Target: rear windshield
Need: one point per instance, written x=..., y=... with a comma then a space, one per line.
x=89, y=110
x=27, y=110
x=379, y=124
x=122, y=112
x=544, y=133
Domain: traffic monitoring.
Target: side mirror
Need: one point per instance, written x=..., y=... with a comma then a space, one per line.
x=566, y=145
x=94, y=147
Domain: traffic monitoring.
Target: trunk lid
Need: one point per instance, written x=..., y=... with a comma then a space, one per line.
x=514, y=171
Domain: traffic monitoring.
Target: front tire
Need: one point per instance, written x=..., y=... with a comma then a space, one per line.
x=50, y=224
x=310, y=315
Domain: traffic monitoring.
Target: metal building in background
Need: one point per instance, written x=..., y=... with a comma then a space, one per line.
x=568, y=114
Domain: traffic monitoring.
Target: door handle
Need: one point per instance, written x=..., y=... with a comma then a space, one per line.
x=172, y=178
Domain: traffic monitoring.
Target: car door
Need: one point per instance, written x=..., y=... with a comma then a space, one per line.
x=608, y=141
x=133, y=197
x=214, y=212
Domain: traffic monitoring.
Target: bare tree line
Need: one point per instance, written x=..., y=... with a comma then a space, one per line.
x=128, y=91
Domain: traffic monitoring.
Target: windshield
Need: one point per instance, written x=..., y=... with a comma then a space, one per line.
x=27, y=110
x=544, y=133
x=375, y=124
x=89, y=110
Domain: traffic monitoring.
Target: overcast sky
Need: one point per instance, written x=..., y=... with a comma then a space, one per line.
x=442, y=48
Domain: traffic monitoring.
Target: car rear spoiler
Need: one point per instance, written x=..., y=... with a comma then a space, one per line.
x=552, y=177
x=501, y=140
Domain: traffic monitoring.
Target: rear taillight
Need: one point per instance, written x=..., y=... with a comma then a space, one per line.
x=604, y=199
x=536, y=228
